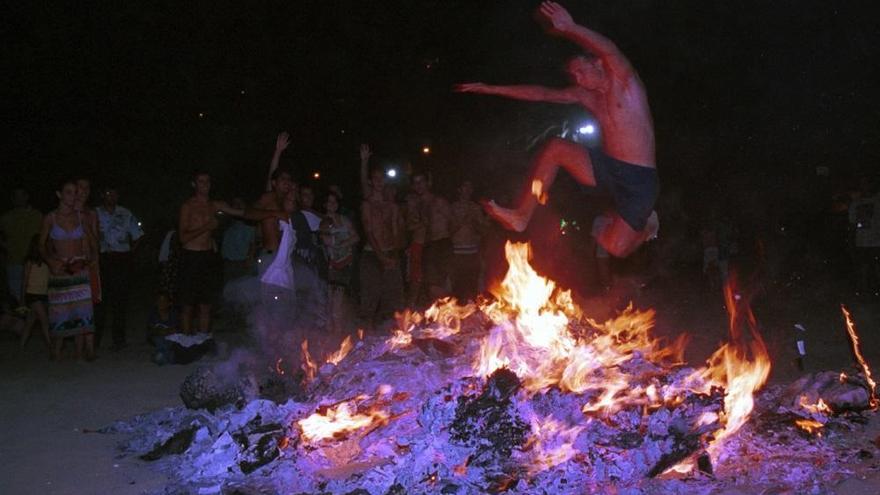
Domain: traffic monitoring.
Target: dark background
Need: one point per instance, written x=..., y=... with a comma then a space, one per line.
x=748, y=97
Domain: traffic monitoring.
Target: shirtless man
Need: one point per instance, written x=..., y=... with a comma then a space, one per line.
x=468, y=225
x=608, y=86
x=380, y=277
x=278, y=186
x=201, y=269
x=436, y=216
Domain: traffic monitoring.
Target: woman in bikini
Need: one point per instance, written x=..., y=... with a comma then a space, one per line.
x=67, y=248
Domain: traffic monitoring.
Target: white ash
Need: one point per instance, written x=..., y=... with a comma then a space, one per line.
x=415, y=452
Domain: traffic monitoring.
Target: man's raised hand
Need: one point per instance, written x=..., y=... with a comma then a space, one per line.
x=366, y=153
x=281, y=142
x=555, y=17
x=476, y=87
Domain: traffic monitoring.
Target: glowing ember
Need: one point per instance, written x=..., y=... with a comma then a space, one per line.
x=278, y=368
x=857, y=351
x=809, y=426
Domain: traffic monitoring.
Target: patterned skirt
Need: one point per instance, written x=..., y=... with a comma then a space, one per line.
x=70, y=305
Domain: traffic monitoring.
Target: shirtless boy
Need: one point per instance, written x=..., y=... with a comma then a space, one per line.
x=380, y=276
x=201, y=269
x=606, y=85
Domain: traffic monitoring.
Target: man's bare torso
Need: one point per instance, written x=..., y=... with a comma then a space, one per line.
x=625, y=119
x=438, y=215
x=383, y=222
x=269, y=231
x=200, y=213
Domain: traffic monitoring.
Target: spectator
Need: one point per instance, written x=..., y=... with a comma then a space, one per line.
x=120, y=234
x=340, y=238
x=18, y=225
x=35, y=288
x=434, y=211
x=169, y=263
x=237, y=247
x=278, y=187
x=380, y=277
x=162, y=320
x=468, y=225
x=69, y=289
x=200, y=268
x=309, y=264
x=90, y=219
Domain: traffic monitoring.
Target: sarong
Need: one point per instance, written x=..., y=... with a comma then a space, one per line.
x=70, y=305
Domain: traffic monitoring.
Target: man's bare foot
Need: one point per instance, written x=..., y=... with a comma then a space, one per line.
x=508, y=218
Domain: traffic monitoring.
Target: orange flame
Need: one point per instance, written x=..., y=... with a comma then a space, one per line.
x=539, y=347
x=818, y=408
x=308, y=365
x=344, y=348
x=857, y=351
x=741, y=366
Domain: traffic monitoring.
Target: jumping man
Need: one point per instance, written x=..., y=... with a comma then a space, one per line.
x=608, y=86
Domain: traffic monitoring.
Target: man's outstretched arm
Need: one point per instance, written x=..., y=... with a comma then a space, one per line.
x=524, y=92
x=560, y=23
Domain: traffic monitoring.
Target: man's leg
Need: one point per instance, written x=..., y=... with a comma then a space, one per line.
x=14, y=276
x=204, y=318
x=621, y=240
x=371, y=286
x=572, y=157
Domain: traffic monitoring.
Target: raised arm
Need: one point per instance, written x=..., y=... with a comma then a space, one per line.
x=365, y=170
x=281, y=144
x=525, y=92
x=559, y=22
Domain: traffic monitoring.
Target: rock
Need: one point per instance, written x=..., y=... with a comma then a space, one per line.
x=203, y=388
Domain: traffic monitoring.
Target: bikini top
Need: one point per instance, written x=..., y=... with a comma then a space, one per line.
x=57, y=233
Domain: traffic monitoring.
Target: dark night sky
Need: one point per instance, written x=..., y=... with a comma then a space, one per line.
x=745, y=95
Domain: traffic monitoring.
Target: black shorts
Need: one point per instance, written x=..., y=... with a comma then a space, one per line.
x=200, y=277
x=633, y=188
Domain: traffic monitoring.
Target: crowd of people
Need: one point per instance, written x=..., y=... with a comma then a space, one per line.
x=298, y=258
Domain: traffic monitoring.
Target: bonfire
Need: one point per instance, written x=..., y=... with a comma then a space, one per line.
x=521, y=393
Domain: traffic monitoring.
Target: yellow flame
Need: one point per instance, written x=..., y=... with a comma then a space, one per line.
x=341, y=418
x=344, y=349
x=857, y=351
x=308, y=365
